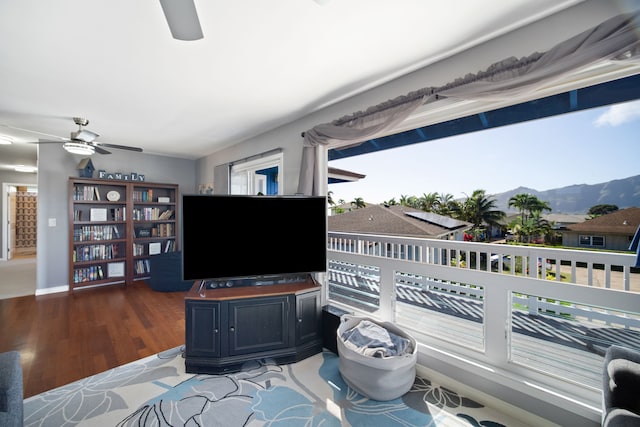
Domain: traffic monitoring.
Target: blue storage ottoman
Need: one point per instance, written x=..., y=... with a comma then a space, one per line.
x=166, y=273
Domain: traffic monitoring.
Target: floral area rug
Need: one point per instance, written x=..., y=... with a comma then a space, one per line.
x=156, y=391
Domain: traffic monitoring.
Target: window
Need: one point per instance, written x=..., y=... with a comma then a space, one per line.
x=258, y=176
x=592, y=241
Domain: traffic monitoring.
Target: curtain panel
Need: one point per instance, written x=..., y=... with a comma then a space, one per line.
x=616, y=39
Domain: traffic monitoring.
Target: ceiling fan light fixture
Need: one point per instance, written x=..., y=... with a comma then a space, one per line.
x=79, y=148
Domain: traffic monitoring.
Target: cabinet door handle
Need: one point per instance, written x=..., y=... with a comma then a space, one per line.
x=215, y=331
x=232, y=329
x=300, y=320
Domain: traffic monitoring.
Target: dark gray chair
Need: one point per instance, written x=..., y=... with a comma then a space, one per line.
x=621, y=387
x=11, y=392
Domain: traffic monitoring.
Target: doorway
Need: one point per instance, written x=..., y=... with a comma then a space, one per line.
x=19, y=217
x=18, y=239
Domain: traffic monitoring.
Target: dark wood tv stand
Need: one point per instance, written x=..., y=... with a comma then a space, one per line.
x=229, y=326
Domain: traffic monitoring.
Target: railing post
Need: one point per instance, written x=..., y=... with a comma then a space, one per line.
x=625, y=278
x=532, y=302
x=387, y=295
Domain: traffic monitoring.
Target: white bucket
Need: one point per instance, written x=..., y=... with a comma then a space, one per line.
x=377, y=378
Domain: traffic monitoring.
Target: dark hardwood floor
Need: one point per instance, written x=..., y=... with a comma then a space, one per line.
x=64, y=337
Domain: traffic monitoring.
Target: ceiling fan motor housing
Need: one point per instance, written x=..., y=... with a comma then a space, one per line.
x=84, y=135
x=80, y=121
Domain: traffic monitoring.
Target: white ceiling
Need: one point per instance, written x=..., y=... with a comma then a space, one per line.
x=260, y=64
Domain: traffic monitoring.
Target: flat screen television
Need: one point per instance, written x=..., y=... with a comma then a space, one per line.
x=227, y=237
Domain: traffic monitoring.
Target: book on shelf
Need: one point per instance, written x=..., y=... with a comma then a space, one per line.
x=166, y=214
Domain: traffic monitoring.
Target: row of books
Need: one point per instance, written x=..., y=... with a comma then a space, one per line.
x=142, y=266
x=149, y=214
x=88, y=274
x=95, y=252
x=163, y=230
x=86, y=192
x=100, y=214
x=153, y=248
x=143, y=195
x=95, y=232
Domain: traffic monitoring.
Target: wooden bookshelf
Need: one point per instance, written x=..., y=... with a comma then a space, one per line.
x=116, y=226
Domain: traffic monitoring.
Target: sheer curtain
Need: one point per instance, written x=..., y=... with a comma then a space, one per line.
x=616, y=39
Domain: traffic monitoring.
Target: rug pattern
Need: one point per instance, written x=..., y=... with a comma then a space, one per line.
x=156, y=391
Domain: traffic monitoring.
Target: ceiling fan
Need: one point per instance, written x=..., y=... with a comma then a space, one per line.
x=182, y=18
x=83, y=141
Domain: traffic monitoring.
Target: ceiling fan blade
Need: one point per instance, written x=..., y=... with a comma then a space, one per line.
x=101, y=150
x=182, y=18
x=48, y=141
x=121, y=147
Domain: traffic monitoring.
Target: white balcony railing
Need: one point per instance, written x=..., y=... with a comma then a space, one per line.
x=538, y=315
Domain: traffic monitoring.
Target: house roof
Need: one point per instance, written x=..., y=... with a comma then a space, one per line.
x=341, y=175
x=561, y=218
x=558, y=218
x=623, y=221
x=395, y=221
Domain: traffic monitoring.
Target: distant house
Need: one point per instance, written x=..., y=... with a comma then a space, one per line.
x=613, y=231
x=561, y=221
x=398, y=220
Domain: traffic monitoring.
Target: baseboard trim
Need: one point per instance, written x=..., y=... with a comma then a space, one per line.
x=54, y=290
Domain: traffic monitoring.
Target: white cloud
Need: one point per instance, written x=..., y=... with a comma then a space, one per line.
x=619, y=114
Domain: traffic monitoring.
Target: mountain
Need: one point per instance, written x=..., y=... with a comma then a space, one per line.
x=577, y=199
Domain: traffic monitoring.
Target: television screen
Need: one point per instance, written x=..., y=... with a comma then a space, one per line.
x=232, y=236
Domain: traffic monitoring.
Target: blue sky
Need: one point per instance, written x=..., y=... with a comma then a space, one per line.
x=586, y=147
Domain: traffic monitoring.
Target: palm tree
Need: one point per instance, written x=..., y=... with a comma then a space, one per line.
x=528, y=204
x=428, y=202
x=447, y=205
x=358, y=203
x=521, y=202
x=411, y=201
x=480, y=210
